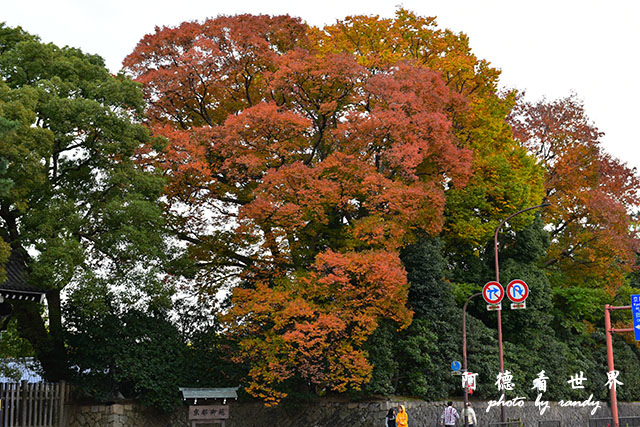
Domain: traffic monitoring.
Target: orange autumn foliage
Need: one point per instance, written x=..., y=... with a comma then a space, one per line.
x=381, y=42
x=319, y=321
x=504, y=177
x=592, y=194
x=299, y=174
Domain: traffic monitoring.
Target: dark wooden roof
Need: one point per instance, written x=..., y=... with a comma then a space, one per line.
x=15, y=287
x=209, y=393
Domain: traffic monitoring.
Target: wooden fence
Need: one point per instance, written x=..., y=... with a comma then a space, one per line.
x=33, y=404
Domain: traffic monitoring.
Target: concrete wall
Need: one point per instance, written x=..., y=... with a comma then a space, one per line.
x=333, y=414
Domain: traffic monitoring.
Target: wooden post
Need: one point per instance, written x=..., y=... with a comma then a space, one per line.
x=23, y=404
x=13, y=405
x=41, y=410
x=55, y=405
x=3, y=396
x=52, y=402
x=34, y=403
x=4, y=403
x=31, y=405
x=38, y=398
x=63, y=398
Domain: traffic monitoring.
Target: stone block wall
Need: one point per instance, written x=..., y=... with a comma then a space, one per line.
x=122, y=415
x=334, y=414
x=421, y=414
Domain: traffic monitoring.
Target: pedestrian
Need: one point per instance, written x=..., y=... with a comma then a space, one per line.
x=402, y=419
x=449, y=416
x=390, y=419
x=470, y=415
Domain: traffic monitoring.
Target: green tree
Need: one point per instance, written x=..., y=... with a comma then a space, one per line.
x=118, y=351
x=80, y=206
x=6, y=126
x=146, y=350
x=12, y=346
x=411, y=361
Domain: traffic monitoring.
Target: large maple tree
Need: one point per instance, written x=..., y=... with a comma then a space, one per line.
x=299, y=173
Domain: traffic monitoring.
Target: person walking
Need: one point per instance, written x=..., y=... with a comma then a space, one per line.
x=402, y=419
x=390, y=419
x=449, y=416
x=470, y=415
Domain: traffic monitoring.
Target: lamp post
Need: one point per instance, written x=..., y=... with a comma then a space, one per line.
x=495, y=246
x=464, y=353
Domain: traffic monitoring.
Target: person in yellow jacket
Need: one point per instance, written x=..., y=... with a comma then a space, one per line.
x=402, y=420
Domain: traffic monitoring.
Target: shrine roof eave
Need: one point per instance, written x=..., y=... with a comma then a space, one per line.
x=209, y=393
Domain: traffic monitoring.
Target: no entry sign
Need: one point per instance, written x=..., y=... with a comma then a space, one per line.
x=517, y=291
x=493, y=292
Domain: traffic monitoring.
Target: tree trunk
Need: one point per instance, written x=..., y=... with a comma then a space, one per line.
x=48, y=344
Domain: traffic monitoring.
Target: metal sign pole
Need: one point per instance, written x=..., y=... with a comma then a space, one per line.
x=609, y=331
x=612, y=390
x=495, y=246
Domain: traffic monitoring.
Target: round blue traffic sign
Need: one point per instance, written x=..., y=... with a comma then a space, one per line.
x=455, y=365
x=517, y=291
x=493, y=292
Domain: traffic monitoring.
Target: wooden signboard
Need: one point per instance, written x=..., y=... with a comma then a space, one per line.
x=208, y=414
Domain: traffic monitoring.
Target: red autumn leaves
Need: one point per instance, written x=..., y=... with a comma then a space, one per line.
x=300, y=161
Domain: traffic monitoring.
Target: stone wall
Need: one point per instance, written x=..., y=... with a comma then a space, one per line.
x=421, y=414
x=334, y=414
x=122, y=415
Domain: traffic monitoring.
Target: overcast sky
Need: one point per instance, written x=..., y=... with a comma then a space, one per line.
x=548, y=48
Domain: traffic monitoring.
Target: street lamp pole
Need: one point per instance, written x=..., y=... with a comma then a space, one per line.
x=464, y=353
x=495, y=246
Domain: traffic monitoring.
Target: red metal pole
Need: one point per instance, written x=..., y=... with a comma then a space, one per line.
x=503, y=416
x=612, y=390
x=503, y=412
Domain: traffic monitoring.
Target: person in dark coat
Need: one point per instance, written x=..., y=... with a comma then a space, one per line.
x=390, y=419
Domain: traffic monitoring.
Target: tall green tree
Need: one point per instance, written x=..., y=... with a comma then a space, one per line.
x=80, y=206
x=411, y=361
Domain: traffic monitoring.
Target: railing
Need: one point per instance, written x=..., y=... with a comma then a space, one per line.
x=32, y=404
x=608, y=422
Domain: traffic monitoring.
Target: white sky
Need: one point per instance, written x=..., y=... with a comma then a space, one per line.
x=548, y=48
